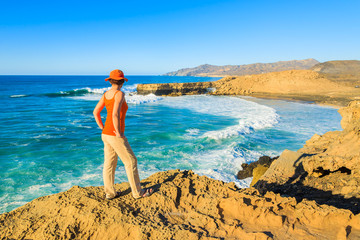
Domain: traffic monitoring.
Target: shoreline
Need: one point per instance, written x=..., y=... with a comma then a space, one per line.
x=339, y=103
x=293, y=85
x=290, y=100
x=299, y=99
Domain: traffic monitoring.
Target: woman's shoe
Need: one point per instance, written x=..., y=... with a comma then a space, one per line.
x=147, y=193
x=118, y=194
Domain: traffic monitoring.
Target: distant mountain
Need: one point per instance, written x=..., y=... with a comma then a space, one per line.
x=238, y=70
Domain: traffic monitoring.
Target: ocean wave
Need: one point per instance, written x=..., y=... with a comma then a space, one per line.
x=77, y=92
x=191, y=133
x=10, y=205
x=139, y=99
x=38, y=187
x=251, y=116
x=19, y=96
x=129, y=88
x=223, y=164
x=94, y=94
x=245, y=126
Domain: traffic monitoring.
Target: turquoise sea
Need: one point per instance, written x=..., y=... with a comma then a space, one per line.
x=50, y=141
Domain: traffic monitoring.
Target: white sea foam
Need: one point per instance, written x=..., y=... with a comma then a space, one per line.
x=250, y=115
x=36, y=188
x=46, y=136
x=94, y=94
x=20, y=145
x=223, y=164
x=89, y=176
x=125, y=89
x=88, y=97
x=192, y=131
x=140, y=99
x=90, y=90
x=11, y=205
x=98, y=90
x=18, y=96
x=129, y=88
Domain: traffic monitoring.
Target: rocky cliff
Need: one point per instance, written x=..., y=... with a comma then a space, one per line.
x=175, y=89
x=313, y=193
x=184, y=206
x=239, y=70
x=326, y=169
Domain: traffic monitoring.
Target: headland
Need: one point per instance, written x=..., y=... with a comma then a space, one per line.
x=331, y=83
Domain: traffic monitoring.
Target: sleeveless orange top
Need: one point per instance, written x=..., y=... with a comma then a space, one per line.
x=109, y=125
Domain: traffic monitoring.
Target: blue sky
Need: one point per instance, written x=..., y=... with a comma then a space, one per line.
x=154, y=37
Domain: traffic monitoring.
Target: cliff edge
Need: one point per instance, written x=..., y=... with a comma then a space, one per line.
x=184, y=206
x=326, y=169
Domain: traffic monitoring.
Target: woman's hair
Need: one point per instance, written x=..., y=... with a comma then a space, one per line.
x=117, y=82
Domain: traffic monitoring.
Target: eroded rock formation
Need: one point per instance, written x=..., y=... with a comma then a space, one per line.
x=175, y=89
x=184, y=206
x=247, y=169
x=326, y=169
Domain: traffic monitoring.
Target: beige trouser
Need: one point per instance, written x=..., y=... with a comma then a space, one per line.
x=114, y=147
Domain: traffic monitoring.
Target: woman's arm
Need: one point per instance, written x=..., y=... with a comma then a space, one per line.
x=99, y=107
x=119, y=99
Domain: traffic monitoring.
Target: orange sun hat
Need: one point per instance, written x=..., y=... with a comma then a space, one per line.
x=116, y=75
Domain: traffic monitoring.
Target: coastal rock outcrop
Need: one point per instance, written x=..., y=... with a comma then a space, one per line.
x=257, y=173
x=183, y=206
x=304, y=85
x=293, y=84
x=175, y=89
x=326, y=169
x=247, y=169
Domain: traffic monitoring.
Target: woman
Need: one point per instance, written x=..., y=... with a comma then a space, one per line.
x=115, y=142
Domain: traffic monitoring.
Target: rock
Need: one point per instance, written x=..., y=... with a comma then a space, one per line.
x=350, y=115
x=257, y=173
x=183, y=206
x=247, y=169
x=282, y=168
x=326, y=169
x=245, y=172
x=175, y=89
